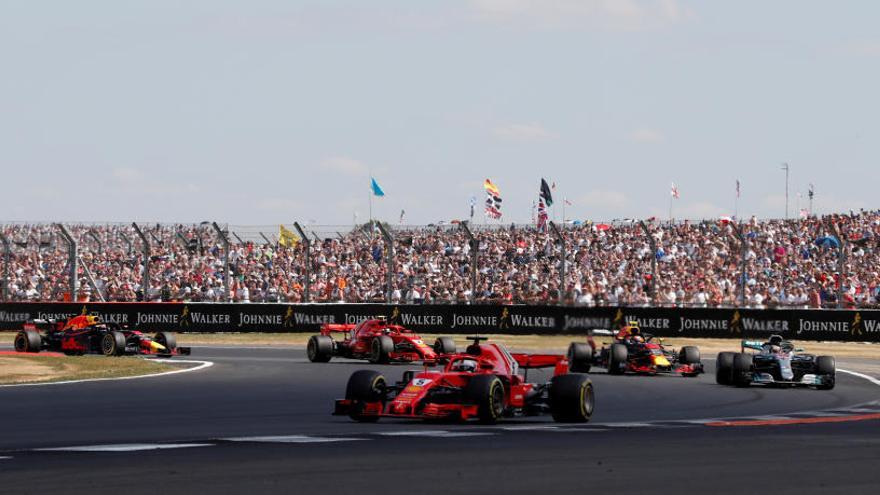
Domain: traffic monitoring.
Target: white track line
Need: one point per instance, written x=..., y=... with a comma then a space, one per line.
x=201, y=365
x=4, y=458
x=434, y=434
x=125, y=447
x=292, y=439
x=861, y=375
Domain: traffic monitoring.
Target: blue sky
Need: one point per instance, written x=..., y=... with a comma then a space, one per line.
x=272, y=111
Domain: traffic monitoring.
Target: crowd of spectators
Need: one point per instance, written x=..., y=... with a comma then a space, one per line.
x=788, y=263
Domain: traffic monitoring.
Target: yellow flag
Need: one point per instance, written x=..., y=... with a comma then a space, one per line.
x=287, y=238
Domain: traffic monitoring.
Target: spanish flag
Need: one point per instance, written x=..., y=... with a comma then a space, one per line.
x=287, y=238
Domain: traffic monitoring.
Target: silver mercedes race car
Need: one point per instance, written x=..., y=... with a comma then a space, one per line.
x=777, y=362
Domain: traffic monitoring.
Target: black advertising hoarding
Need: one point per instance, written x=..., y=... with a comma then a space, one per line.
x=832, y=325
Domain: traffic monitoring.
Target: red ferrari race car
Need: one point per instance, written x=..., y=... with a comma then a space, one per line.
x=484, y=383
x=636, y=352
x=87, y=334
x=375, y=340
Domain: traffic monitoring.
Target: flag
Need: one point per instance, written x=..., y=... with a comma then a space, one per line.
x=811, y=192
x=674, y=191
x=804, y=213
x=473, y=204
x=286, y=238
x=566, y=201
x=402, y=213
x=493, y=199
x=546, y=195
x=377, y=191
x=737, y=188
x=542, y=215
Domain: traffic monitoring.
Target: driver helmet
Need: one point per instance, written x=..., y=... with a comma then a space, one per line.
x=775, y=340
x=638, y=338
x=465, y=365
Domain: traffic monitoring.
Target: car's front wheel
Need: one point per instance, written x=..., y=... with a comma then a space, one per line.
x=113, y=344
x=365, y=387
x=487, y=393
x=571, y=398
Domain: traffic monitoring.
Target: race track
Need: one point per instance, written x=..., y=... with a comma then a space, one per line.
x=259, y=420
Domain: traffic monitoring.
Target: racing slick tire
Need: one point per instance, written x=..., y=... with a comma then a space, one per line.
x=167, y=340
x=825, y=366
x=724, y=368
x=365, y=386
x=444, y=345
x=689, y=354
x=742, y=369
x=380, y=349
x=28, y=341
x=487, y=392
x=319, y=349
x=617, y=356
x=571, y=398
x=113, y=344
x=580, y=357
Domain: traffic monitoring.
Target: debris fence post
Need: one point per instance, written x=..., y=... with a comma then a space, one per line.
x=307, y=263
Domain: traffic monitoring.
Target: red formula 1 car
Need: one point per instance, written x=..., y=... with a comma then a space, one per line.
x=636, y=352
x=483, y=383
x=377, y=341
x=87, y=334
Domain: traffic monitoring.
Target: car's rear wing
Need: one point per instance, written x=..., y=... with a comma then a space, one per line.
x=337, y=328
x=537, y=361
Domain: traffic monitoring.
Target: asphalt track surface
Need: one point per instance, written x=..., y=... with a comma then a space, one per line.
x=259, y=421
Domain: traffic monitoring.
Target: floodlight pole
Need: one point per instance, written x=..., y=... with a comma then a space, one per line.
x=226, y=276
x=308, y=260
x=71, y=261
x=561, y=238
x=145, y=284
x=475, y=247
x=653, y=244
x=389, y=271
x=94, y=236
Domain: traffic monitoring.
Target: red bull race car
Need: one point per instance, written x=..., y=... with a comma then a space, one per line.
x=635, y=352
x=483, y=384
x=376, y=341
x=87, y=334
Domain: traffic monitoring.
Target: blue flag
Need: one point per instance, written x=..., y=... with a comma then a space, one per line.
x=377, y=191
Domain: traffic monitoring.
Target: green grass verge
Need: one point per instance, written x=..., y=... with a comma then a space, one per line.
x=44, y=368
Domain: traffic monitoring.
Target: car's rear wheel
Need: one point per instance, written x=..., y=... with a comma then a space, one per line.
x=28, y=341
x=571, y=398
x=580, y=357
x=617, y=356
x=365, y=387
x=689, y=355
x=724, y=368
x=113, y=344
x=167, y=340
x=826, y=368
x=380, y=349
x=487, y=393
x=319, y=348
x=444, y=345
x=742, y=369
